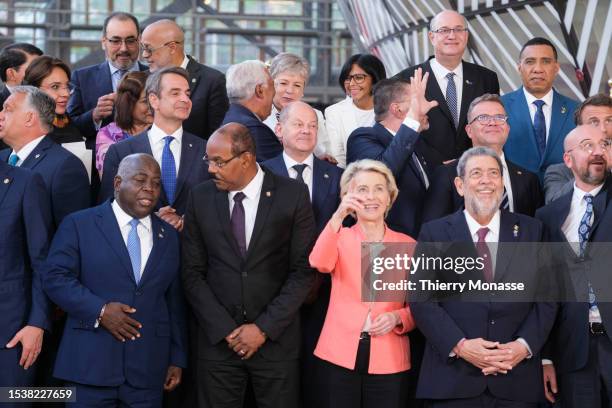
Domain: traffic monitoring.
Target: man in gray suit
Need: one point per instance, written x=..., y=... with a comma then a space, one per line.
x=595, y=111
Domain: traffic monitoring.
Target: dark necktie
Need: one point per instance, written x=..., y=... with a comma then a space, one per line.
x=584, y=231
x=300, y=171
x=483, y=251
x=505, y=204
x=237, y=221
x=168, y=170
x=539, y=127
x=451, y=97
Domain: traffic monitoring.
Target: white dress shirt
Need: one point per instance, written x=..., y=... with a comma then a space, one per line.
x=572, y=222
x=25, y=151
x=157, y=142
x=440, y=73
x=252, y=191
x=185, y=62
x=546, y=108
x=308, y=171
x=143, y=230
x=507, y=182
x=115, y=79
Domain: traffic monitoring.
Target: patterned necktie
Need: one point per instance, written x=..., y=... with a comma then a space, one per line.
x=451, y=97
x=237, y=222
x=539, y=127
x=168, y=170
x=300, y=171
x=505, y=204
x=13, y=159
x=583, y=236
x=483, y=251
x=133, y=247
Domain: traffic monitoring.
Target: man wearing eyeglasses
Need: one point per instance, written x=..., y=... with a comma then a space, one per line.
x=162, y=46
x=487, y=126
x=595, y=111
x=454, y=84
x=579, y=366
x=92, y=102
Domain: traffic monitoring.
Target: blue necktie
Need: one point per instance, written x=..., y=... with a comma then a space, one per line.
x=451, y=97
x=583, y=235
x=13, y=159
x=133, y=247
x=168, y=170
x=539, y=127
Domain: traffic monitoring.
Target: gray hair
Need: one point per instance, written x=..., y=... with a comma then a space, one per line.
x=474, y=152
x=287, y=62
x=153, y=85
x=43, y=104
x=484, y=98
x=242, y=78
x=387, y=91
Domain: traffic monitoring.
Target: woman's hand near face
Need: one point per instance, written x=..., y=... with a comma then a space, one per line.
x=349, y=205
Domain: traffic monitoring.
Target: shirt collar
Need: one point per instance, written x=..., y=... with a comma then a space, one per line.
x=114, y=69
x=440, y=71
x=185, y=62
x=579, y=193
x=252, y=190
x=124, y=218
x=157, y=135
x=548, y=98
x=289, y=162
x=474, y=226
x=25, y=151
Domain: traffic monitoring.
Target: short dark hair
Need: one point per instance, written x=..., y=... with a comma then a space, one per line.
x=122, y=16
x=368, y=62
x=387, y=91
x=128, y=94
x=25, y=47
x=14, y=56
x=41, y=67
x=600, y=99
x=538, y=41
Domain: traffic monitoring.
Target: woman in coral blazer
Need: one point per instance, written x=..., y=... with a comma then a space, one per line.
x=363, y=345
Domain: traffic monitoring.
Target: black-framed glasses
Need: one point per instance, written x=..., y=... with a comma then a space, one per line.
x=446, y=31
x=117, y=41
x=588, y=146
x=486, y=119
x=220, y=163
x=358, y=78
x=145, y=49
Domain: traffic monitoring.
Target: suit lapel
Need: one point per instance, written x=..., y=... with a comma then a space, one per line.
x=559, y=115
x=321, y=182
x=105, y=78
x=519, y=105
x=38, y=153
x=160, y=244
x=141, y=144
x=459, y=230
x=194, y=78
x=6, y=180
x=509, y=232
x=467, y=94
x=223, y=215
x=599, y=206
x=434, y=92
x=107, y=222
x=266, y=198
x=278, y=166
x=188, y=160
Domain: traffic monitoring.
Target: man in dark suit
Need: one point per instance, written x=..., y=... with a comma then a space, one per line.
x=25, y=223
x=400, y=108
x=163, y=46
x=469, y=341
x=297, y=128
x=446, y=137
x=250, y=90
x=115, y=270
x=247, y=274
x=579, y=364
x=539, y=116
x=27, y=117
x=178, y=153
x=487, y=126
x=92, y=101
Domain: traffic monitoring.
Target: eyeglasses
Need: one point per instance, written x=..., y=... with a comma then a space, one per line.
x=588, y=146
x=446, y=31
x=220, y=163
x=478, y=174
x=358, y=78
x=117, y=41
x=59, y=87
x=486, y=119
x=145, y=49
x=596, y=122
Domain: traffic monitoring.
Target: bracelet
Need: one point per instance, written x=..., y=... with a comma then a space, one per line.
x=99, y=319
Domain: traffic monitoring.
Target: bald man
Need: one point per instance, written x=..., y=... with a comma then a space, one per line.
x=162, y=46
x=579, y=364
x=114, y=269
x=446, y=137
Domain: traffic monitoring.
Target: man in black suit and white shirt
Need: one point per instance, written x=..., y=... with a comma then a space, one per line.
x=163, y=46
x=487, y=126
x=446, y=138
x=246, y=242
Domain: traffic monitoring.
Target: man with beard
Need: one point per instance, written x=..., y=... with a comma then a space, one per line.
x=92, y=102
x=580, y=353
x=481, y=351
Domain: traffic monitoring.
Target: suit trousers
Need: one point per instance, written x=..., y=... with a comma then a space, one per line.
x=486, y=400
x=13, y=375
x=356, y=388
x=123, y=396
x=590, y=386
x=223, y=384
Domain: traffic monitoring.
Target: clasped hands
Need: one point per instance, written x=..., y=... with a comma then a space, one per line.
x=492, y=357
x=169, y=215
x=246, y=340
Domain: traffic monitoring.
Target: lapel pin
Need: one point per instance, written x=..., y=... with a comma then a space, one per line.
x=193, y=80
x=160, y=235
x=162, y=229
x=467, y=81
x=563, y=109
x=268, y=194
x=515, y=230
x=326, y=175
x=519, y=172
x=37, y=156
x=6, y=181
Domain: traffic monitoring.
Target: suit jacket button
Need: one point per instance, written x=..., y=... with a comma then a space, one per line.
x=138, y=293
x=492, y=322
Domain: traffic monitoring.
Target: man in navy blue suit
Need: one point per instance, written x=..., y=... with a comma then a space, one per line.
x=297, y=128
x=25, y=222
x=250, y=90
x=579, y=359
x=179, y=154
x=27, y=117
x=114, y=269
x=483, y=352
x=401, y=111
x=91, y=104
